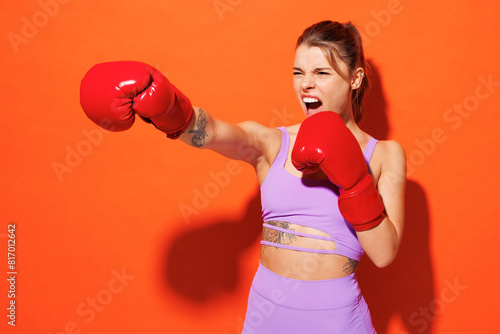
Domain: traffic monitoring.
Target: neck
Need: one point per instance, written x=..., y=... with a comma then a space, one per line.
x=348, y=118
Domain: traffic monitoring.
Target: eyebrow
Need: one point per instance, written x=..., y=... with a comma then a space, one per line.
x=316, y=69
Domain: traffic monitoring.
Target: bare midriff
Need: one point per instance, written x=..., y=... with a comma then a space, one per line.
x=302, y=265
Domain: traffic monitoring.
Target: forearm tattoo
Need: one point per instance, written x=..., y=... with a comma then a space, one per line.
x=198, y=139
x=350, y=266
x=279, y=237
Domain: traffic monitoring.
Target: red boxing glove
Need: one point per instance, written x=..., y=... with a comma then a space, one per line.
x=323, y=141
x=111, y=93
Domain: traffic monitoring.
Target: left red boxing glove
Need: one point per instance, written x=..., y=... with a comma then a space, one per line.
x=323, y=141
x=112, y=93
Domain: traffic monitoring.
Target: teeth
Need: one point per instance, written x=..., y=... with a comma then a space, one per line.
x=309, y=100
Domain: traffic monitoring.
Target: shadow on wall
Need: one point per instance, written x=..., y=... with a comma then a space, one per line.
x=406, y=287
x=375, y=120
x=204, y=262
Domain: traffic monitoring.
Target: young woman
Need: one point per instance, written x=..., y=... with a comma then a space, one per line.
x=330, y=192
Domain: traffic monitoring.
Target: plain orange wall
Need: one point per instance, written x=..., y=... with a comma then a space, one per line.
x=133, y=233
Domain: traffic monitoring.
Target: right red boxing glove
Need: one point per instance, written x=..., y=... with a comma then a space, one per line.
x=112, y=93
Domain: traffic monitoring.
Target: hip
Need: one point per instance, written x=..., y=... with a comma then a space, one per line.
x=279, y=304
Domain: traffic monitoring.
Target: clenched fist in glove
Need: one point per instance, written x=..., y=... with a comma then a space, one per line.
x=112, y=93
x=324, y=141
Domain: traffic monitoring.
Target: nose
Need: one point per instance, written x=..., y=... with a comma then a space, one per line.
x=307, y=82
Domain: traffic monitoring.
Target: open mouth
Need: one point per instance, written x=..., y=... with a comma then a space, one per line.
x=313, y=105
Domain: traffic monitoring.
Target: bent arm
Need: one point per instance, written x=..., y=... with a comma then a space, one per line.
x=381, y=243
x=246, y=141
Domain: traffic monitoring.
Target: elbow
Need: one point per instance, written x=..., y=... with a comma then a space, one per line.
x=382, y=249
x=384, y=259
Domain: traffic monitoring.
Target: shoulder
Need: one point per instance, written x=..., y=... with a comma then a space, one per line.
x=257, y=128
x=390, y=157
x=266, y=139
x=390, y=149
x=261, y=133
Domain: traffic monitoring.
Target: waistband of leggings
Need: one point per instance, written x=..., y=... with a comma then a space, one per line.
x=298, y=294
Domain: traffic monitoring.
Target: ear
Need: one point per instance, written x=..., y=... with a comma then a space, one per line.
x=357, y=78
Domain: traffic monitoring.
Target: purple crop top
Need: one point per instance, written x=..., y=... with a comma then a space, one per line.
x=307, y=202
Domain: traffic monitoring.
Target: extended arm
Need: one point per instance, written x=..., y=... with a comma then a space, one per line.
x=113, y=93
x=244, y=141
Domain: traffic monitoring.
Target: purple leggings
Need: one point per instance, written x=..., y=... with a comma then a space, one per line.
x=278, y=304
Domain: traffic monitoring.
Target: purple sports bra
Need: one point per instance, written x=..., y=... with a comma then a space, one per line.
x=307, y=202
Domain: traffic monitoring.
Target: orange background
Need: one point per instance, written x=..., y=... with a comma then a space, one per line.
x=181, y=226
